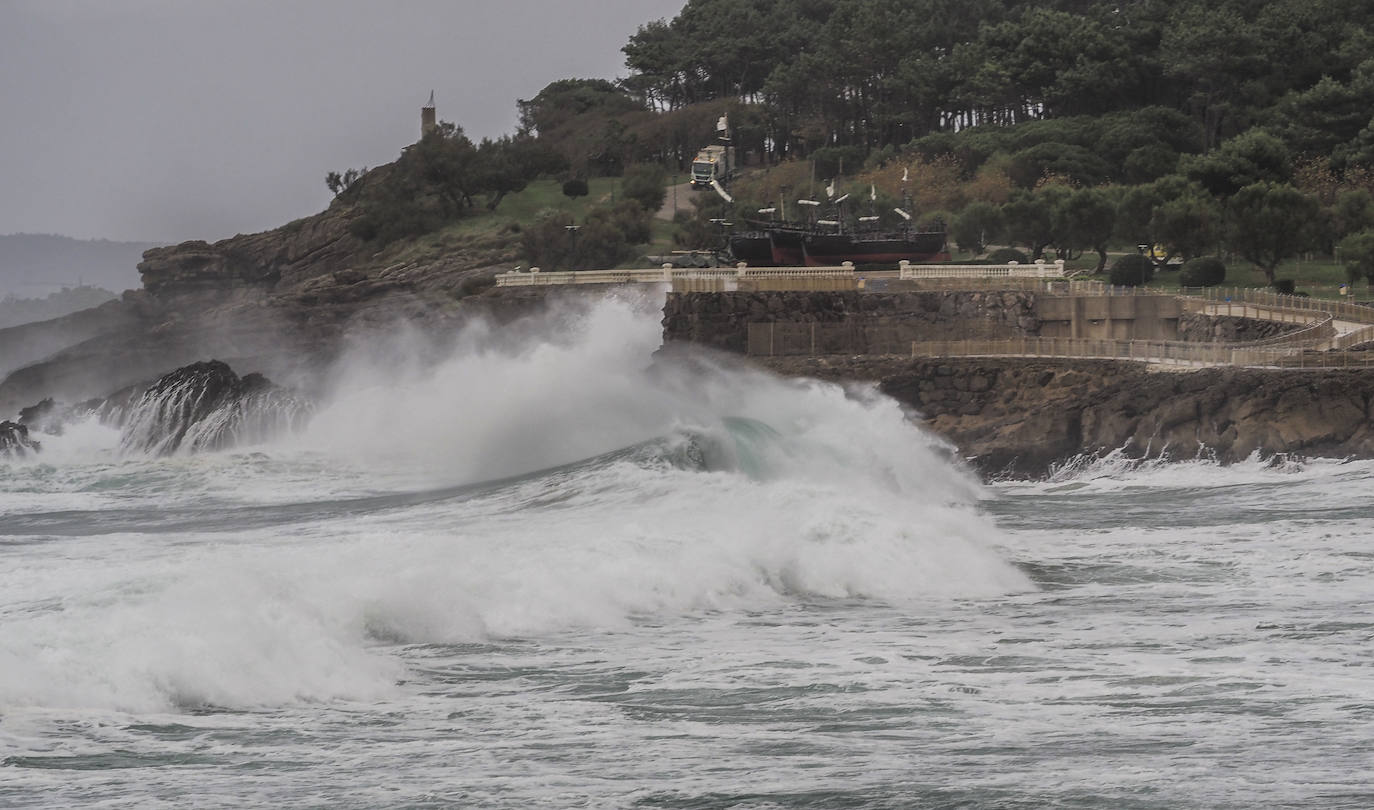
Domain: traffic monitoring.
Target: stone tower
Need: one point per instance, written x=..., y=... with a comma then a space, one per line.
x=427, y=121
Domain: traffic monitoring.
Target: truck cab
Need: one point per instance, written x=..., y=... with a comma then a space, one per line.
x=713, y=163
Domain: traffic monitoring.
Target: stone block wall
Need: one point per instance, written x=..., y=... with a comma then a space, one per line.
x=721, y=319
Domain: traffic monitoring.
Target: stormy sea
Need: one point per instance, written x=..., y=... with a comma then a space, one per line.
x=546, y=568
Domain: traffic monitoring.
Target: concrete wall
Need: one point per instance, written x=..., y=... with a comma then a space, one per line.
x=1110, y=317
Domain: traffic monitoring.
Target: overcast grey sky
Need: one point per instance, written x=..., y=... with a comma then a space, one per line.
x=167, y=120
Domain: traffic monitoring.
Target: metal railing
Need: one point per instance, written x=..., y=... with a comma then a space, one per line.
x=1317, y=326
x=1353, y=338
x=1150, y=351
x=1342, y=310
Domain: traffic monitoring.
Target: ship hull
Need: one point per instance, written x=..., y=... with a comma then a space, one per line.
x=821, y=250
x=755, y=249
x=786, y=248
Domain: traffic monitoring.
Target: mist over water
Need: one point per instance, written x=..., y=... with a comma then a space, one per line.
x=543, y=567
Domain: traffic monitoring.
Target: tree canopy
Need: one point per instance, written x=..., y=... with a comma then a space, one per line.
x=877, y=72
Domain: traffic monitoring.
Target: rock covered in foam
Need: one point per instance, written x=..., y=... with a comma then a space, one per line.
x=15, y=441
x=52, y=417
x=206, y=406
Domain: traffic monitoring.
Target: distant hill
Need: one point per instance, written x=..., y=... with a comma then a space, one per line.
x=33, y=265
x=15, y=310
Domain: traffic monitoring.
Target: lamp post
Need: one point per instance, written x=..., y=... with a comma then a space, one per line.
x=572, y=244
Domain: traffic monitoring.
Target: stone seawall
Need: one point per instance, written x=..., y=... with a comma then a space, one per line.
x=721, y=319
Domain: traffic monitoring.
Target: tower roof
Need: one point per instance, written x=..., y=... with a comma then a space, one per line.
x=430, y=103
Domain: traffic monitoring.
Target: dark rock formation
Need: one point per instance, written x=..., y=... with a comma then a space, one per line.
x=1021, y=417
x=1199, y=328
x=282, y=301
x=206, y=406
x=15, y=441
x=52, y=417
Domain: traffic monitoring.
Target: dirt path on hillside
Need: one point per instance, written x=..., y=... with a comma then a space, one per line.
x=684, y=197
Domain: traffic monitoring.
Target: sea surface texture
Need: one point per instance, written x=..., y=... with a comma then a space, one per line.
x=551, y=571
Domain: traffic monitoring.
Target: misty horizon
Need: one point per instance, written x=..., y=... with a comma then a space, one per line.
x=159, y=122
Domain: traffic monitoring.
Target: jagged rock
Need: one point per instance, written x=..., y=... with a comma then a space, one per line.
x=15, y=441
x=206, y=406
x=52, y=417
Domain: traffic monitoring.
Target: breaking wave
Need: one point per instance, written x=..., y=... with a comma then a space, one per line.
x=563, y=483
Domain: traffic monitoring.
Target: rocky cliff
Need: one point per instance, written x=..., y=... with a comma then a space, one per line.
x=279, y=302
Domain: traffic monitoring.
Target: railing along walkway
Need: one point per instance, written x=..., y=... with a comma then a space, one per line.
x=668, y=274
x=1168, y=353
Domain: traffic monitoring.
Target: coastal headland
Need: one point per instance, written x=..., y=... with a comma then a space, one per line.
x=287, y=302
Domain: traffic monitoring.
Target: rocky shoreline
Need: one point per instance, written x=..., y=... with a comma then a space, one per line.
x=1021, y=418
x=287, y=302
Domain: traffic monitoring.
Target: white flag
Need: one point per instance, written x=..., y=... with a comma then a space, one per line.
x=830, y=189
x=904, y=176
x=722, y=124
x=872, y=192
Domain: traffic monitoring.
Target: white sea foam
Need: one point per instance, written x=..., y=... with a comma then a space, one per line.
x=811, y=492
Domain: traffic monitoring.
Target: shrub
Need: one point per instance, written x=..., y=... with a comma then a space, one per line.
x=1285, y=286
x=977, y=223
x=1357, y=253
x=472, y=285
x=933, y=221
x=605, y=238
x=627, y=218
x=643, y=183
x=1008, y=255
x=576, y=187
x=1131, y=270
x=1206, y=271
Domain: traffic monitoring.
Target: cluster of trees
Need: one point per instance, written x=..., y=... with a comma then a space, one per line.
x=438, y=180
x=1237, y=126
x=1260, y=212
x=879, y=72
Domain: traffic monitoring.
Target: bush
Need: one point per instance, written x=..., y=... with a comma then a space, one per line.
x=1285, y=286
x=472, y=285
x=1357, y=254
x=1008, y=255
x=933, y=221
x=643, y=183
x=977, y=223
x=1206, y=271
x=576, y=187
x=1131, y=270
x=626, y=217
x=605, y=238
